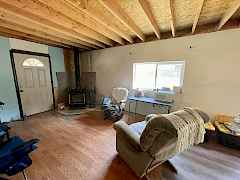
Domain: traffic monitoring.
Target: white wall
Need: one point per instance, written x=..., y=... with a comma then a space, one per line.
x=212, y=72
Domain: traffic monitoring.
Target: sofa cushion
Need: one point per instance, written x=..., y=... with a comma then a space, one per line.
x=138, y=127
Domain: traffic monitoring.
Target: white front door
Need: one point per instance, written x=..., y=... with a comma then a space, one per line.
x=34, y=80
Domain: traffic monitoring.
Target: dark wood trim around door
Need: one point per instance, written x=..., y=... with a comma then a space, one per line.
x=16, y=86
x=12, y=51
x=29, y=52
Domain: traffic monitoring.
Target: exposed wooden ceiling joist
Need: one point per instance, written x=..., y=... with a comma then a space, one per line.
x=103, y=23
x=33, y=10
x=9, y=17
x=7, y=7
x=172, y=17
x=99, y=17
x=114, y=7
x=228, y=14
x=147, y=10
x=80, y=18
x=198, y=13
x=28, y=37
x=40, y=34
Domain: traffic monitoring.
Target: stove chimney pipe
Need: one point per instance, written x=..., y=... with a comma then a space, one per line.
x=77, y=67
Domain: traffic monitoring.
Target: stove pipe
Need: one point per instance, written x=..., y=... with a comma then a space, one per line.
x=77, y=67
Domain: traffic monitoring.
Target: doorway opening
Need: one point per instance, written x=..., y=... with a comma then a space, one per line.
x=32, y=73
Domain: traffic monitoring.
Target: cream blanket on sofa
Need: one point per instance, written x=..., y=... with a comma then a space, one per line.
x=190, y=131
x=189, y=126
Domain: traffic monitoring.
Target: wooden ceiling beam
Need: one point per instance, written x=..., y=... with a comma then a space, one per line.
x=228, y=14
x=9, y=9
x=39, y=12
x=99, y=17
x=206, y=28
x=172, y=18
x=79, y=17
x=147, y=10
x=114, y=7
x=28, y=37
x=15, y=18
x=40, y=34
x=198, y=13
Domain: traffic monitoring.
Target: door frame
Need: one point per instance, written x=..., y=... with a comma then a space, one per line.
x=12, y=51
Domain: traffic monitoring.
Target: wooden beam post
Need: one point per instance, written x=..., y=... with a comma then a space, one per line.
x=12, y=10
x=28, y=37
x=114, y=7
x=79, y=17
x=147, y=10
x=37, y=11
x=17, y=19
x=198, y=13
x=38, y=33
x=228, y=14
x=172, y=19
x=99, y=17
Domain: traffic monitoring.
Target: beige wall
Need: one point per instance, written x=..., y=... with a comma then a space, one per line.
x=212, y=71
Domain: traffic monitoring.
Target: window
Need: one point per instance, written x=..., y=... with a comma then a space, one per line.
x=32, y=62
x=161, y=75
x=144, y=76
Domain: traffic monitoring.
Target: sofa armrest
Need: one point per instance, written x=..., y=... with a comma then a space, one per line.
x=157, y=133
x=122, y=128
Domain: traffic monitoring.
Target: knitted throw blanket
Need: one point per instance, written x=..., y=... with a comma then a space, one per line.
x=190, y=131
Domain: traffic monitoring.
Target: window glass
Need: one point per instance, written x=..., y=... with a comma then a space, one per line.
x=32, y=62
x=144, y=76
x=169, y=75
x=162, y=75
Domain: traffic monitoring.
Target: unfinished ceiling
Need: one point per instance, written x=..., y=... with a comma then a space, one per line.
x=96, y=24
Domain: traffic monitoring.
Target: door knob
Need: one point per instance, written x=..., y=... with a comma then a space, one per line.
x=21, y=90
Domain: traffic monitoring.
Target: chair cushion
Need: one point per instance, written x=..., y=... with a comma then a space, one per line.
x=6, y=159
x=12, y=143
x=19, y=166
x=138, y=127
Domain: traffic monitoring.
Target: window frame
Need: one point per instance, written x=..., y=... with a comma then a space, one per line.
x=156, y=72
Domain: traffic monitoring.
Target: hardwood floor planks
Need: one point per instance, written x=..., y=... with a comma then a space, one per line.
x=83, y=148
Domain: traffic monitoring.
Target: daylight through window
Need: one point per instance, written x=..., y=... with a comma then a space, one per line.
x=32, y=62
x=161, y=75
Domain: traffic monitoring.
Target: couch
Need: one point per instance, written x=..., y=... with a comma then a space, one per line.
x=140, y=148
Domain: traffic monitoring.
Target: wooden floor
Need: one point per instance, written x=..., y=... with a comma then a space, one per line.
x=83, y=148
